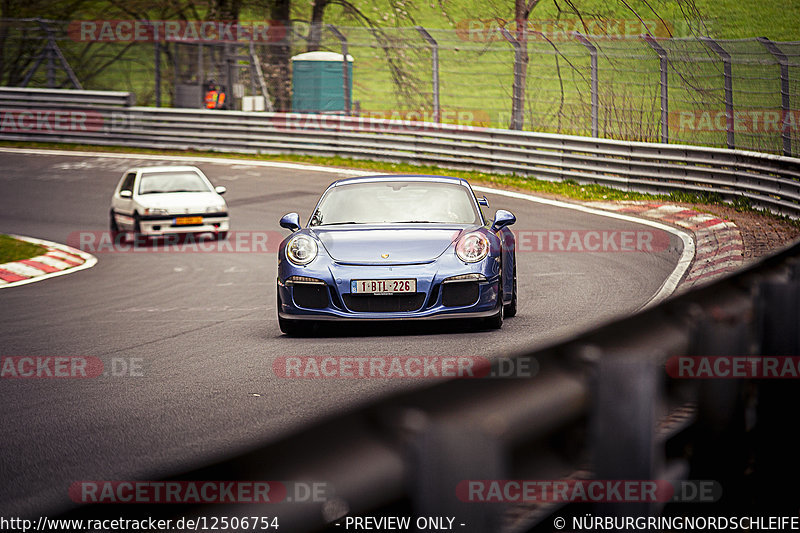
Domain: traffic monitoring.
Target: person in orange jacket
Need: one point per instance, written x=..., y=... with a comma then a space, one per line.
x=212, y=95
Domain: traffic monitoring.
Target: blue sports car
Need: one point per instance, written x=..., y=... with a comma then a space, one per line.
x=397, y=248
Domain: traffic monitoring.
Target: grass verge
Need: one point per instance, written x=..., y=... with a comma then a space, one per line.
x=12, y=249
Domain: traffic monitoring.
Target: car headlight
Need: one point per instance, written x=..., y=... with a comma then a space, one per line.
x=155, y=211
x=301, y=250
x=472, y=247
x=216, y=209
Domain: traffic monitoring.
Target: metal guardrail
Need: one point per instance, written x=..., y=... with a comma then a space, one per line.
x=766, y=181
x=70, y=98
x=601, y=406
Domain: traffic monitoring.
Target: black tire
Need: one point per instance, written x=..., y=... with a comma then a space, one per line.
x=112, y=226
x=137, y=236
x=292, y=328
x=496, y=321
x=511, y=309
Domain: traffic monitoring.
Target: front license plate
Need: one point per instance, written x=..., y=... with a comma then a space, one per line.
x=188, y=221
x=382, y=286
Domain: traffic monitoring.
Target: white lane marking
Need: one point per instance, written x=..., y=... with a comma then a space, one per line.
x=88, y=261
x=546, y=274
x=181, y=158
x=667, y=288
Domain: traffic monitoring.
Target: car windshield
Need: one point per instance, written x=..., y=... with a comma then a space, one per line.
x=387, y=202
x=159, y=182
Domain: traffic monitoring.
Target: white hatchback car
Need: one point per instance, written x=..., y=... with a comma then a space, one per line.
x=163, y=200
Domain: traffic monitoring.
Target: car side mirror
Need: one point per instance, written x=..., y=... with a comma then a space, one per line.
x=291, y=221
x=503, y=218
x=126, y=194
x=483, y=201
x=220, y=190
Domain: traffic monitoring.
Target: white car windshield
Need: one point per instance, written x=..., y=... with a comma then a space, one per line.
x=386, y=202
x=161, y=182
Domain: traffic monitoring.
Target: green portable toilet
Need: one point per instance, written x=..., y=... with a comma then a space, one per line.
x=318, y=82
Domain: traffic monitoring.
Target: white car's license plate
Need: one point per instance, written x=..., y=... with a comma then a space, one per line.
x=383, y=286
x=188, y=221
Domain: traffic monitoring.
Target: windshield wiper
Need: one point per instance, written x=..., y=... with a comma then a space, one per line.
x=339, y=223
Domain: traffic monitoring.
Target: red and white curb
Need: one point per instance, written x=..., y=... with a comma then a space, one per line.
x=719, y=248
x=58, y=260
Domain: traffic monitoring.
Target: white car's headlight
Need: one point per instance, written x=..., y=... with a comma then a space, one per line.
x=216, y=209
x=301, y=250
x=155, y=211
x=472, y=247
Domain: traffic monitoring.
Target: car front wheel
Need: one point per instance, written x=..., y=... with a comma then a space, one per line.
x=511, y=309
x=292, y=328
x=113, y=227
x=496, y=321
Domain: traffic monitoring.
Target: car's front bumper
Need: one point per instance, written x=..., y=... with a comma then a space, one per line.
x=167, y=226
x=433, y=299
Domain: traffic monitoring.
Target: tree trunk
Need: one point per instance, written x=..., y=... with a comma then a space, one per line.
x=521, y=14
x=315, y=31
x=280, y=57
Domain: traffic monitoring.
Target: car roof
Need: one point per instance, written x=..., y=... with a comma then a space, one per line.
x=164, y=168
x=400, y=177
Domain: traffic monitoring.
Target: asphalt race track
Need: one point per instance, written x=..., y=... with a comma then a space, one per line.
x=199, y=334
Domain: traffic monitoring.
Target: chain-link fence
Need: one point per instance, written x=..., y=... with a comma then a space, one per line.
x=727, y=93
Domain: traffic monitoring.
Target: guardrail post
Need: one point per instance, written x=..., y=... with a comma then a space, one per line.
x=783, y=61
x=345, y=71
x=435, y=70
x=728, y=80
x=445, y=457
x=516, y=100
x=778, y=317
x=720, y=450
x=593, y=54
x=623, y=427
x=664, y=64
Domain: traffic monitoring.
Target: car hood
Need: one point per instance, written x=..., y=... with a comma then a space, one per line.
x=403, y=244
x=181, y=200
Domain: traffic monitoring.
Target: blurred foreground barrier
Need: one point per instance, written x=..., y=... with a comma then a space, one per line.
x=631, y=400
